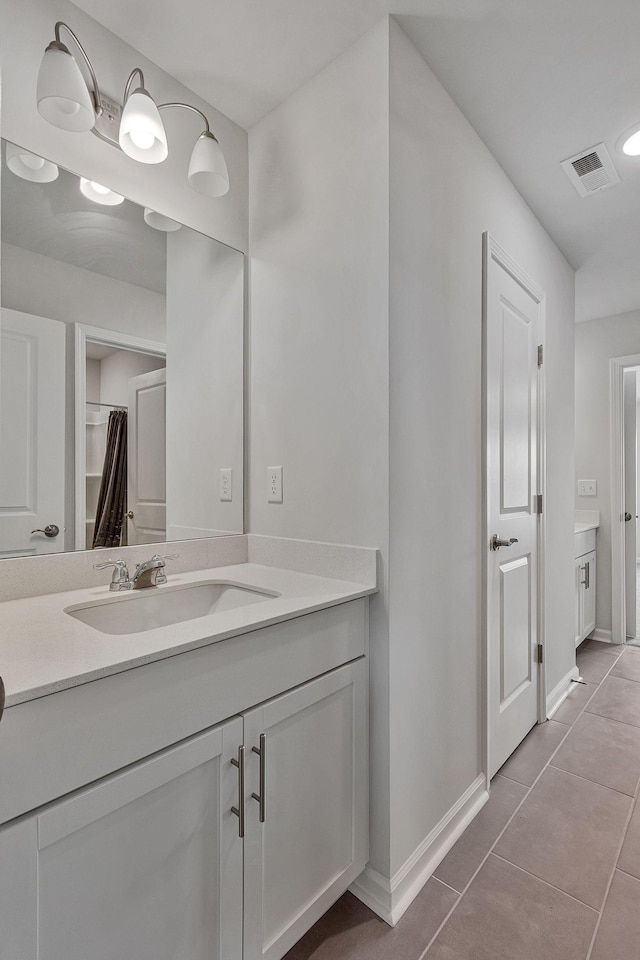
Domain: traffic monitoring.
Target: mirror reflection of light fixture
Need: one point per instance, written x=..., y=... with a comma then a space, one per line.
x=30, y=166
x=98, y=193
x=65, y=100
x=159, y=222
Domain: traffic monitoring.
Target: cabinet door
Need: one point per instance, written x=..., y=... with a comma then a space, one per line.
x=589, y=594
x=146, y=864
x=314, y=839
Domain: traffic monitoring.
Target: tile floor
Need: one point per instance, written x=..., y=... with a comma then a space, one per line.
x=550, y=867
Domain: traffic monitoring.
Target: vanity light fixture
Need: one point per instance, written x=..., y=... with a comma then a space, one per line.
x=99, y=194
x=159, y=222
x=65, y=100
x=30, y=166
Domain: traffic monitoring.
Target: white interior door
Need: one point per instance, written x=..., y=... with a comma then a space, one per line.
x=512, y=325
x=146, y=458
x=630, y=505
x=32, y=433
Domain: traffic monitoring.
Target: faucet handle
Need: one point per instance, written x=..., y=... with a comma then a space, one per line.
x=160, y=575
x=120, y=577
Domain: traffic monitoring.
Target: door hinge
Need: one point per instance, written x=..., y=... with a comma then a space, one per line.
x=537, y=503
x=540, y=354
x=539, y=654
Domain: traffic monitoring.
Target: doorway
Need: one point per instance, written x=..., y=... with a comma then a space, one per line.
x=118, y=380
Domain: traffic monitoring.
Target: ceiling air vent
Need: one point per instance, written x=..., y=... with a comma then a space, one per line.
x=591, y=170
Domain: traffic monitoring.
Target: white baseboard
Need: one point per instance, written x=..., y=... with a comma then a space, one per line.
x=561, y=691
x=390, y=898
x=603, y=635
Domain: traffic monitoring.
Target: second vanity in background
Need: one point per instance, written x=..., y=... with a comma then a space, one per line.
x=197, y=790
x=587, y=522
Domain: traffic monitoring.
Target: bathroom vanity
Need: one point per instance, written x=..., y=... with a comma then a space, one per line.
x=585, y=579
x=195, y=790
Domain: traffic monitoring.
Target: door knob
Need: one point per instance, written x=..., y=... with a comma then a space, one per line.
x=130, y=514
x=51, y=530
x=628, y=517
x=496, y=542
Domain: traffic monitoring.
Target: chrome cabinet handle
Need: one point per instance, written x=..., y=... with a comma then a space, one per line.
x=496, y=542
x=239, y=810
x=51, y=530
x=262, y=796
x=1, y=697
x=587, y=575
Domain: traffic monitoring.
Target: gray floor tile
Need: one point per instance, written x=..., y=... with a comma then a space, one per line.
x=594, y=666
x=618, y=936
x=617, y=699
x=567, y=832
x=467, y=854
x=612, y=649
x=628, y=666
x=350, y=931
x=604, y=751
x=629, y=860
x=534, y=752
x=570, y=710
x=508, y=915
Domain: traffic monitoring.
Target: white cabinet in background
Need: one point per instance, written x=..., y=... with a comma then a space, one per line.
x=585, y=586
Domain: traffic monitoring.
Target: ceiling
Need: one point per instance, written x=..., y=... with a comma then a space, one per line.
x=540, y=80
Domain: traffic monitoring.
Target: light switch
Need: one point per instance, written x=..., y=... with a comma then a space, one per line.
x=274, y=490
x=587, y=488
x=226, y=483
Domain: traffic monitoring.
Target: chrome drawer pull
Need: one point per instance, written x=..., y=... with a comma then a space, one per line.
x=262, y=796
x=239, y=810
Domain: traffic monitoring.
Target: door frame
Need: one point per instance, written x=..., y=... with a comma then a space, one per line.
x=491, y=250
x=118, y=341
x=617, y=366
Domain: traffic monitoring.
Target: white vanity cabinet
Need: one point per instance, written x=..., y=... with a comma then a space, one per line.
x=208, y=849
x=585, y=585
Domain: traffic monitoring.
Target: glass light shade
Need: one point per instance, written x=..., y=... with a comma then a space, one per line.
x=142, y=133
x=98, y=193
x=207, y=168
x=30, y=166
x=62, y=96
x=159, y=222
x=631, y=145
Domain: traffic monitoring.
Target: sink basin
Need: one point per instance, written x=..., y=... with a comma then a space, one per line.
x=155, y=607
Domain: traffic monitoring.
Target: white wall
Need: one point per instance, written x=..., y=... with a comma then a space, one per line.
x=319, y=332
x=47, y=287
x=205, y=334
x=369, y=196
x=596, y=342
x=446, y=189
x=117, y=369
x=27, y=28
x=93, y=381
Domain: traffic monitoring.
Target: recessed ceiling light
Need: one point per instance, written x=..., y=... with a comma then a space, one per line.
x=629, y=142
x=98, y=193
x=30, y=166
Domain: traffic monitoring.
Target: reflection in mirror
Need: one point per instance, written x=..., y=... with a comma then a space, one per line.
x=121, y=370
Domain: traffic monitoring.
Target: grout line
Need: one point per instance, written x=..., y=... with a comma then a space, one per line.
x=546, y=882
x=448, y=885
x=636, y=726
x=626, y=873
x=596, y=783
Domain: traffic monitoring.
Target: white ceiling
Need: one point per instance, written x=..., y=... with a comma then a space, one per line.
x=540, y=80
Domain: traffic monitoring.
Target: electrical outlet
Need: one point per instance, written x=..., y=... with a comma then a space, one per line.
x=274, y=489
x=226, y=483
x=587, y=488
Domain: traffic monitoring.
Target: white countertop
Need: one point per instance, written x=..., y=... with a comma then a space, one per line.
x=43, y=649
x=583, y=527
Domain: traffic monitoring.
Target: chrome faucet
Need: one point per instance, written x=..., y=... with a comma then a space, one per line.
x=148, y=574
x=151, y=572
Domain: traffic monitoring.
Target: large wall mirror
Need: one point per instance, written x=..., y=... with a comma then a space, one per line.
x=121, y=370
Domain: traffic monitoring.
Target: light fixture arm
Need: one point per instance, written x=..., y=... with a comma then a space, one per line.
x=187, y=106
x=129, y=84
x=95, y=93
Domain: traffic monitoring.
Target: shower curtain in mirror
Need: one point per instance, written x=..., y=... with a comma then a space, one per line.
x=112, y=498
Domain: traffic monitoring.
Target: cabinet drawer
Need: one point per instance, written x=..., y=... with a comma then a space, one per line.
x=58, y=743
